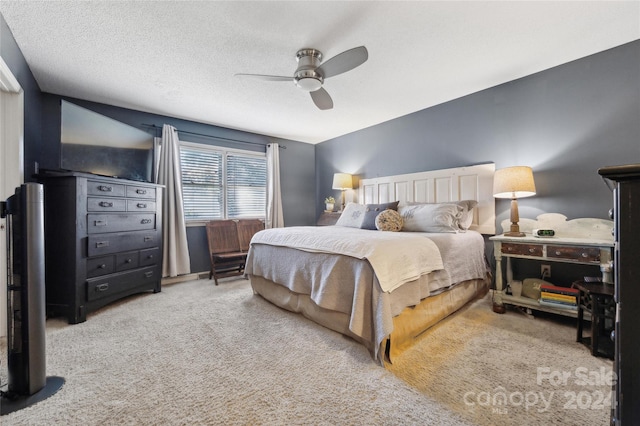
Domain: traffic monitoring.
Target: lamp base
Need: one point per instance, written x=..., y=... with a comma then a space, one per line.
x=514, y=234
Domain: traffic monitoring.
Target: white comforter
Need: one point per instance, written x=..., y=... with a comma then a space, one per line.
x=417, y=254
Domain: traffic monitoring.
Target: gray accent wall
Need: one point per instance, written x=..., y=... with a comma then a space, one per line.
x=565, y=122
x=296, y=160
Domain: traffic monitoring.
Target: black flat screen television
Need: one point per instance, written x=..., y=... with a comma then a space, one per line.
x=94, y=143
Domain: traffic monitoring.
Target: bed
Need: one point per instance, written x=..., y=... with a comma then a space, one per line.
x=383, y=289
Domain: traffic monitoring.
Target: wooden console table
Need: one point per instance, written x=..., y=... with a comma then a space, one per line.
x=582, y=241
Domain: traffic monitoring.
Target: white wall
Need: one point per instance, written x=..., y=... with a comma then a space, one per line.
x=11, y=164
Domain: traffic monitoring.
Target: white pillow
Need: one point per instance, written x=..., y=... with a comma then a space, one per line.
x=431, y=217
x=352, y=215
x=465, y=217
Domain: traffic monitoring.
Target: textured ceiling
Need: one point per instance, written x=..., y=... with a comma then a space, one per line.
x=179, y=58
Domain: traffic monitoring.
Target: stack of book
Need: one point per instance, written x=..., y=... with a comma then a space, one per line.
x=559, y=297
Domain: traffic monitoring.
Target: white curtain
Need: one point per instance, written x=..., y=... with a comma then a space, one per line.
x=274, y=217
x=175, y=257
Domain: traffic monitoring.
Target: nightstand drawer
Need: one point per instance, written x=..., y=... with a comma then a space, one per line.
x=582, y=254
x=522, y=249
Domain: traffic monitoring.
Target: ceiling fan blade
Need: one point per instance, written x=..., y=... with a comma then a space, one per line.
x=322, y=99
x=343, y=62
x=266, y=77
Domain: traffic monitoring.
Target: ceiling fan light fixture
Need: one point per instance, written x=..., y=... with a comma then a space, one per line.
x=309, y=84
x=308, y=80
x=310, y=75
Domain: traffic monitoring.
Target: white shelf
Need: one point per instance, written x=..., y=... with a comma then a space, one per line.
x=534, y=304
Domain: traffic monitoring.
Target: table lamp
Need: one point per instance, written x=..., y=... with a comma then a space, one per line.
x=514, y=182
x=342, y=181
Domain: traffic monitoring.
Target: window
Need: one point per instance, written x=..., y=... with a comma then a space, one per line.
x=222, y=183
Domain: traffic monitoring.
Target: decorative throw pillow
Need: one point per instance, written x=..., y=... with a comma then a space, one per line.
x=465, y=217
x=389, y=220
x=373, y=210
x=352, y=215
x=431, y=217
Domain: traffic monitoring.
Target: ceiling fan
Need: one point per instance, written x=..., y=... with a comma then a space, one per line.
x=310, y=75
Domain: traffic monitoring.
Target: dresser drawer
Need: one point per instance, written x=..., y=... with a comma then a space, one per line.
x=579, y=254
x=522, y=249
x=127, y=260
x=104, y=223
x=141, y=192
x=141, y=206
x=116, y=283
x=100, y=266
x=102, y=244
x=102, y=188
x=150, y=256
x=106, y=204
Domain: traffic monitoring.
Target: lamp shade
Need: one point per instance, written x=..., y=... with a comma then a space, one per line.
x=342, y=181
x=514, y=182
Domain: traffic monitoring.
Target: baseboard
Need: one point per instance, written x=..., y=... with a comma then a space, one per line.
x=187, y=277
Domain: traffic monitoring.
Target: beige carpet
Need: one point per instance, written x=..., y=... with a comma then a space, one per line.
x=200, y=354
x=509, y=369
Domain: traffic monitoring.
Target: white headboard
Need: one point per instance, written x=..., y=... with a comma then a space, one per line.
x=437, y=186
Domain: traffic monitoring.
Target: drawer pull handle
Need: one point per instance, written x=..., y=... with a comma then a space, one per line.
x=100, y=244
x=102, y=287
x=145, y=221
x=148, y=274
x=105, y=188
x=558, y=252
x=147, y=239
x=509, y=248
x=150, y=256
x=103, y=266
x=585, y=255
x=100, y=223
x=128, y=261
x=106, y=204
x=531, y=250
x=141, y=191
x=142, y=206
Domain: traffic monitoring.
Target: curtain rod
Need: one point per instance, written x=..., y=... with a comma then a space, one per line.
x=211, y=137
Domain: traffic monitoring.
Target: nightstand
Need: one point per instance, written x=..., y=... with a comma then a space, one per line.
x=584, y=251
x=328, y=218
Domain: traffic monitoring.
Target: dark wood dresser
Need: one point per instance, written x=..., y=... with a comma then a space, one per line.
x=103, y=241
x=626, y=216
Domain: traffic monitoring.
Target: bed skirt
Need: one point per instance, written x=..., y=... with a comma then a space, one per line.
x=407, y=326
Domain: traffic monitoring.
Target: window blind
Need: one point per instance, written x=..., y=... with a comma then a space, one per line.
x=219, y=184
x=202, y=178
x=246, y=186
